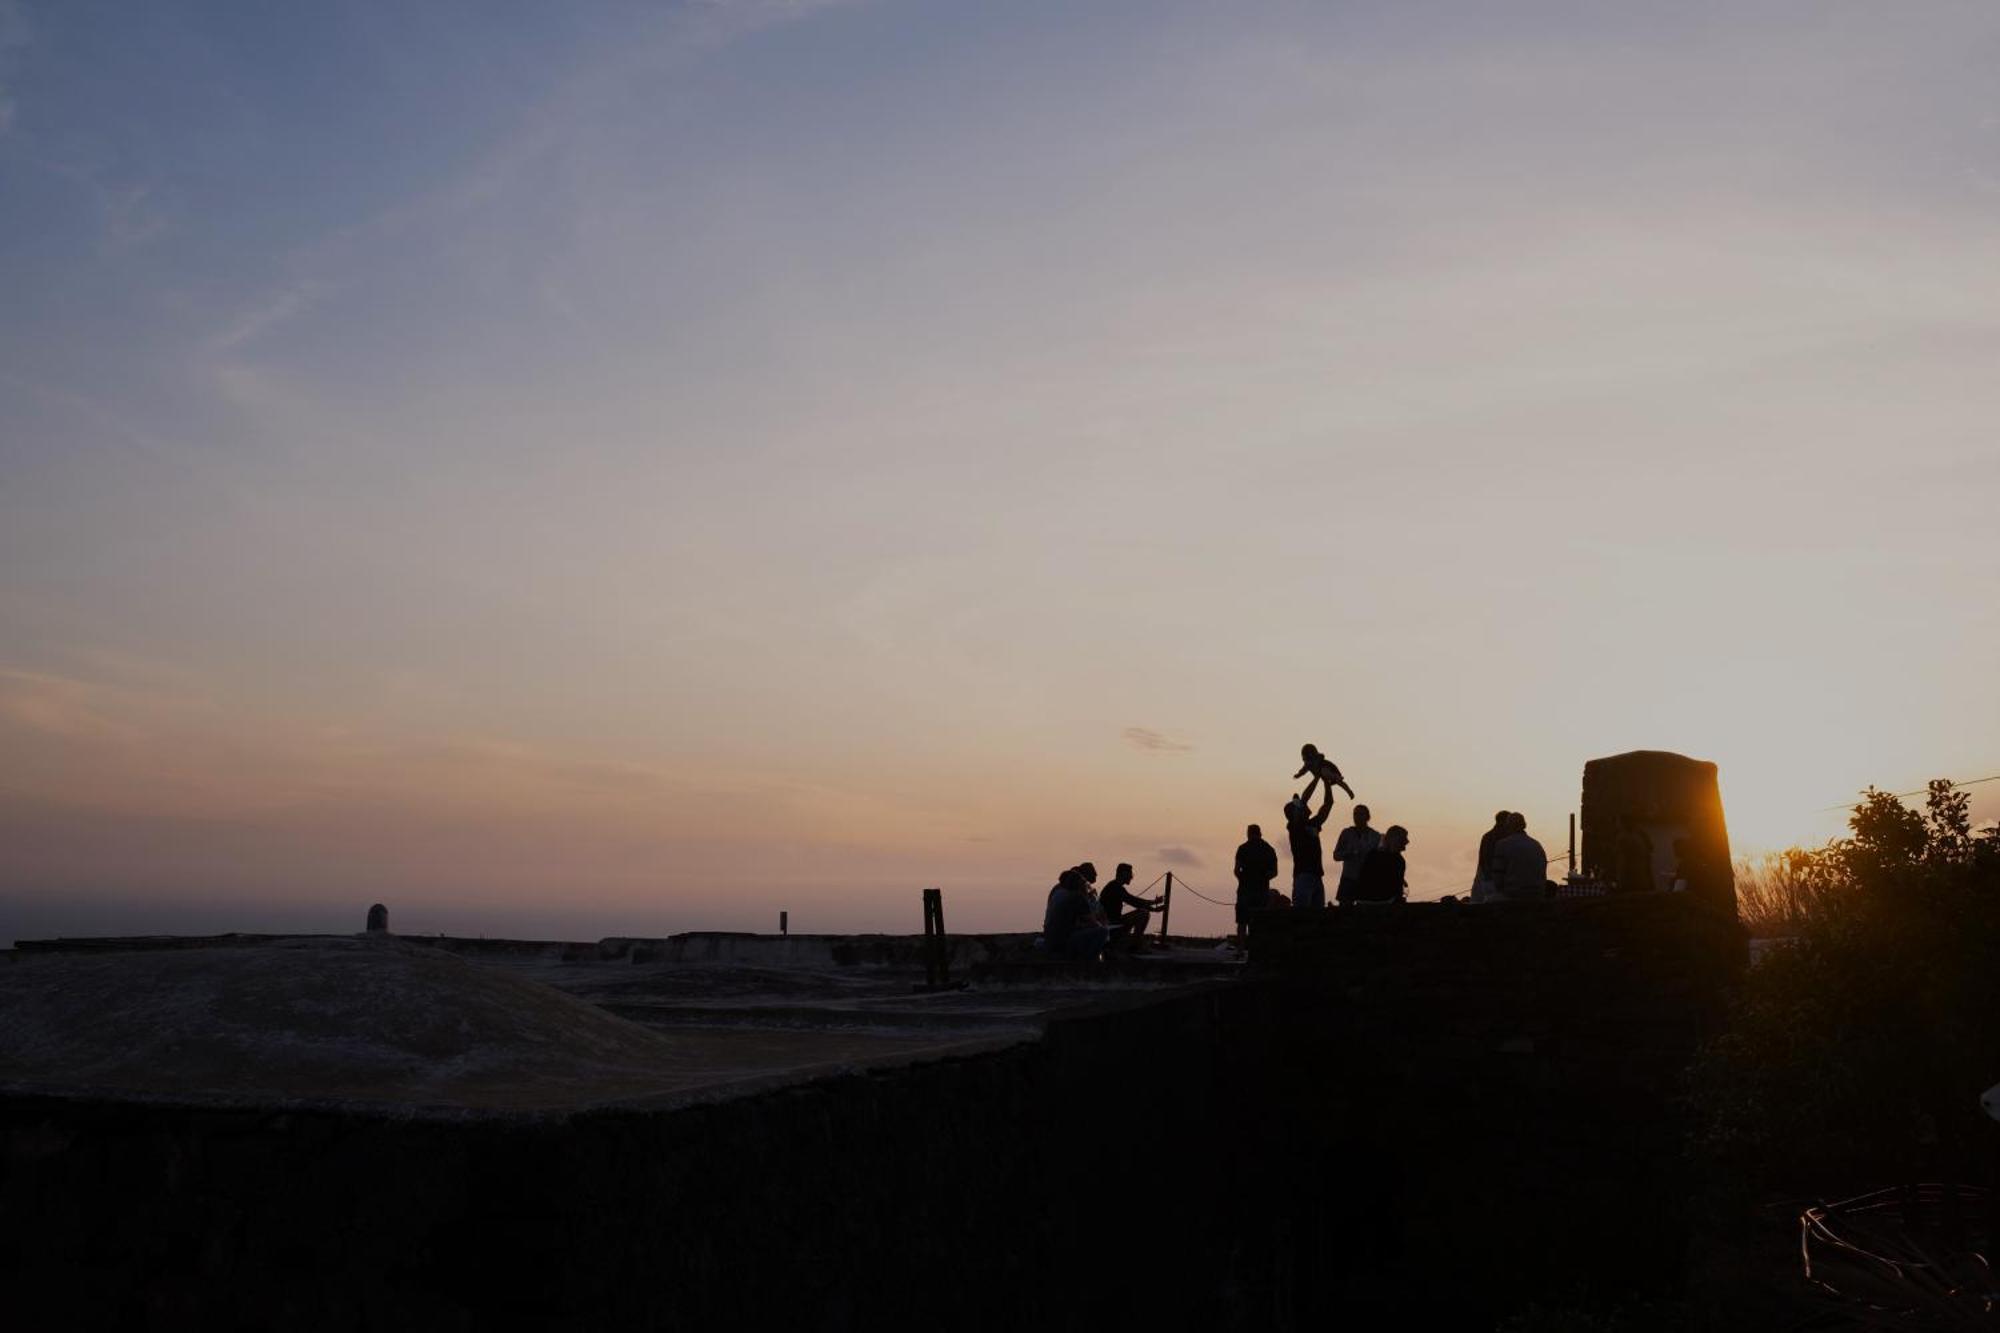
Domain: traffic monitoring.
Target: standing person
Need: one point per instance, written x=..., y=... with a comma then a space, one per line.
x=1384, y=875
x=1256, y=867
x=1123, y=908
x=1351, y=849
x=1308, y=867
x=1520, y=865
x=1482, y=869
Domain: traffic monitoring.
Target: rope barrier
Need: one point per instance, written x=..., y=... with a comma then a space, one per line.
x=1180, y=882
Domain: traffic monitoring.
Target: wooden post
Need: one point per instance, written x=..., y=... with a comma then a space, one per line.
x=784, y=923
x=1572, y=842
x=937, y=964
x=1166, y=906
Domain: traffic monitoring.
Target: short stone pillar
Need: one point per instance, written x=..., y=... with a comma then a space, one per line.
x=378, y=920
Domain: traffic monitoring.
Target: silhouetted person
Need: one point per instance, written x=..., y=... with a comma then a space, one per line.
x=1256, y=867
x=1124, y=909
x=1351, y=849
x=1302, y=828
x=1520, y=865
x=1632, y=858
x=1383, y=876
x=378, y=920
x=1483, y=873
x=1067, y=928
x=1088, y=874
x=1322, y=768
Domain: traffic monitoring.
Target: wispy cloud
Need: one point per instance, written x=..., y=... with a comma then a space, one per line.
x=1178, y=856
x=55, y=706
x=14, y=35
x=516, y=161
x=1156, y=742
x=269, y=310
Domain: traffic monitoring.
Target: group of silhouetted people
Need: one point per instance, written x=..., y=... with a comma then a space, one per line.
x=1372, y=869
x=1081, y=923
x=1512, y=865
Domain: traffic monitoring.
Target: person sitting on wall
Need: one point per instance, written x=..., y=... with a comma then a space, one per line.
x=1520, y=865
x=1067, y=928
x=1088, y=872
x=1384, y=876
x=1125, y=912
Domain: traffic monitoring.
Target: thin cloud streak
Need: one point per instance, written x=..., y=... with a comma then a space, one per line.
x=1155, y=742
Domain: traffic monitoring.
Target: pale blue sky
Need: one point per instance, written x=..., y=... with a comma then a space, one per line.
x=686, y=461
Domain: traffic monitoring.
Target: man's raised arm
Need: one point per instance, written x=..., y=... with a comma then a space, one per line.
x=1325, y=806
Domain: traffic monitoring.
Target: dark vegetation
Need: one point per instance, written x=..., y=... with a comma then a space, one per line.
x=1860, y=1046
x=1853, y=1060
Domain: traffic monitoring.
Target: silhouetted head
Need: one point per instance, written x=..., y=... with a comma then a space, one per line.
x=1255, y=833
x=1308, y=752
x=1517, y=822
x=1361, y=816
x=1295, y=809
x=1088, y=871
x=1397, y=838
x=1069, y=879
x=1501, y=818
x=1123, y=874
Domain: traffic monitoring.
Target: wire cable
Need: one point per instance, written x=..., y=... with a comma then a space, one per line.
x=1899, y=795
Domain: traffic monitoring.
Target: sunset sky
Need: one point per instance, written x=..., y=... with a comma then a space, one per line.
x=586, y=469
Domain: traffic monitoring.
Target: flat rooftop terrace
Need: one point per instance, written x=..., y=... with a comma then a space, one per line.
x=465, y=1027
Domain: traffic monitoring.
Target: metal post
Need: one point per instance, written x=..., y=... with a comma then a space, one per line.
x=936, y=961
x=1572, y=842
x=1166, y=906
x=784, y=923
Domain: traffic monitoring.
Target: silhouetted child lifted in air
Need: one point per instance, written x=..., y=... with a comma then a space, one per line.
x=1322, y=768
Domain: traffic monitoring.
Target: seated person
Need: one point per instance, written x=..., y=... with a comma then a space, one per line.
x=1124, y=910
x=1067, y=928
